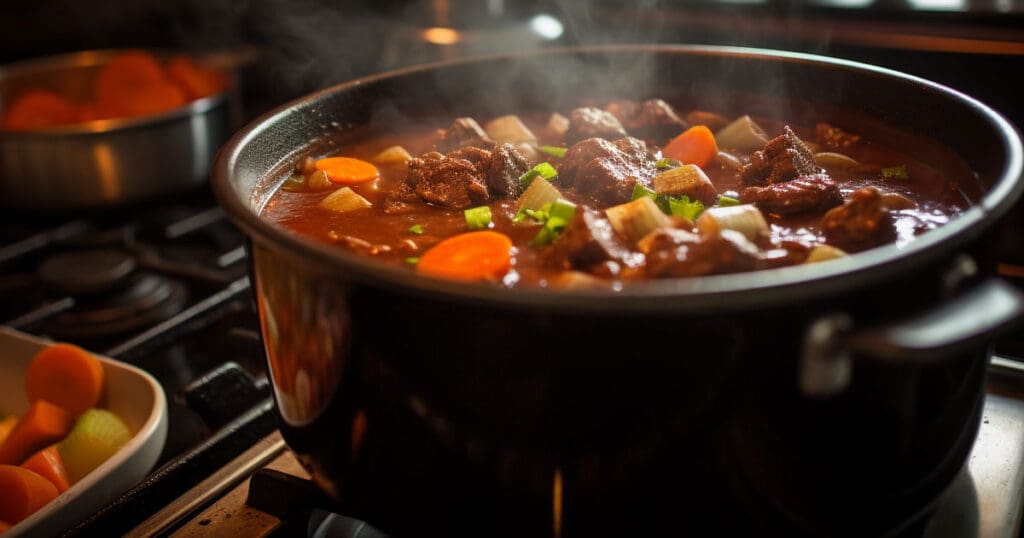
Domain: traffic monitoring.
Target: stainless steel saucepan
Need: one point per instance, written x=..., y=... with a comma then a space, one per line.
x=111, y=162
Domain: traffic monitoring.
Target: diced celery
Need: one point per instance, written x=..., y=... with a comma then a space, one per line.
x=633, y=220
x=538, y=194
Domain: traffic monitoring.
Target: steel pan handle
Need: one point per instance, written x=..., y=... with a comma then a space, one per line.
x=965, y=321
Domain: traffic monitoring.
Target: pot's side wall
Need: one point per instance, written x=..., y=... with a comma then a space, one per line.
x=405, y=408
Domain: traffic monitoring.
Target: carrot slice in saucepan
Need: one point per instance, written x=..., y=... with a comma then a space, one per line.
x=195, y=80
x=65, y=375
x=469, y=256
x=38, y=109
x=347, y=170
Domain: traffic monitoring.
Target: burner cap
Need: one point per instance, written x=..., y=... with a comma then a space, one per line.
x=86, y=272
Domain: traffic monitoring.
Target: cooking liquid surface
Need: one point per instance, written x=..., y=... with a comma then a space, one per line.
x=938, y=198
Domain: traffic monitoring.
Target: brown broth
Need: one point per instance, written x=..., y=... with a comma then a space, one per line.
x=938, y=197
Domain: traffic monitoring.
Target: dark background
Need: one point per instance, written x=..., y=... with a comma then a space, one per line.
x=294, y=47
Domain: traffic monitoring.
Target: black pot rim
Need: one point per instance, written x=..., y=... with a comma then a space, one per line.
x=733, y=292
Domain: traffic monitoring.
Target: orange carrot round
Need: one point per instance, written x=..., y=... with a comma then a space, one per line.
x=38, y=109
x=469, y=256
x=22, y=493
x=126, y=74
x=347, y=170
x=6, y=425
x=48, y=464
x=196, y=81
x=43, y=425
x=695, y=145
x=65, y=375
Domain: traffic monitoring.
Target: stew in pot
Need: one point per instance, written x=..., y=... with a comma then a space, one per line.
x=612, y=192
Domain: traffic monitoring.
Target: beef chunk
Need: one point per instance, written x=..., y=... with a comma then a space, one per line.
x=783, y=158
x=591, y=122
x=463, y=132
x=463, y=178
x=862, y=222
x=653, y=119
x=816, y=192
x=445, y=181
x=504, y=169
x=589, y=242
x=607, y=171
x=681, y=256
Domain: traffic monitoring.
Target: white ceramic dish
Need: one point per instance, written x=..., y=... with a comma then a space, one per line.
x=128, y=391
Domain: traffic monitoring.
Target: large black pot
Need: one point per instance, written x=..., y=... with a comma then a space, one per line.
x=835, y=398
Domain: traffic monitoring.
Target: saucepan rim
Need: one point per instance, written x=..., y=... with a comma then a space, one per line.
x=739, y=291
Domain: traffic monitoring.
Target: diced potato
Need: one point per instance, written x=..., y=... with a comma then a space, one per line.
x=727, y=160
x=343, y=200
x=509, y=129
x=318, y=181
x=539, y=193
x=529, y=151
x=687, y=180
x=557, y=125
x=393, y=154
x=576, y=280
x=743, y=134
x=633, y=220
x=744, y=218
x=837, y=160
x=893, y=200
x=822, y=253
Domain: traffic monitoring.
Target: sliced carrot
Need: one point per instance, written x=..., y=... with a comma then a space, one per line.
x=43, y=425
x=65, y=375
x=695, y=145
x=469, y=256
x=48, y=464
x=347, y=170
x=22, y=492
x=126, y=74
x=5, y=427
x=38, y=109
x=152, y=100
x=196, y=81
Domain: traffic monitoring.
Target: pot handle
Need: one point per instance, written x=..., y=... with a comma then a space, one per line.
x=964, y=322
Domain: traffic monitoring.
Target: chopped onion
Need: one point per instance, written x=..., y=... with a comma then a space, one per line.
x=537, y=195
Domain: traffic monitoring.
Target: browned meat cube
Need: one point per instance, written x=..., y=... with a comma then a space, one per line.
x=805, y=194
x=591, y=122
x=862, y=222
x=654, y=119
x=437, y=179
x=461, y=133
x=504, y=169
x=465, y=177
x=783, y=158
x=607, y=171
x=724, y=252
x=589, y=241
